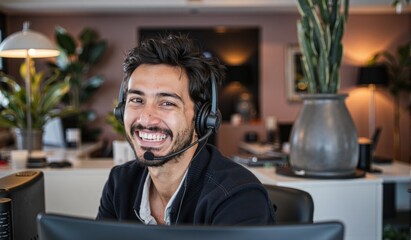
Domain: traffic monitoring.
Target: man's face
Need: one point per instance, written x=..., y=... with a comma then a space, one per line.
x=159, y=112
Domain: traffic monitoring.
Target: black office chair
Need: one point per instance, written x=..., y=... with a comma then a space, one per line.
x=291, y=205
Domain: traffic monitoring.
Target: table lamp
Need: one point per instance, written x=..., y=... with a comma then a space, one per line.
x=372, y=76
x=27, y=44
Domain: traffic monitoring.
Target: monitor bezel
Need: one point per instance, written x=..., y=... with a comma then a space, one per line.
x=56, y=226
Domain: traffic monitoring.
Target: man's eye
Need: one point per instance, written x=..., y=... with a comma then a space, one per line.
x=168, y=104
x=135, y=100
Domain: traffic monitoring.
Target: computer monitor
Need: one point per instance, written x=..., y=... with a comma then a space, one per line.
x=61, y=227
x=21, y=200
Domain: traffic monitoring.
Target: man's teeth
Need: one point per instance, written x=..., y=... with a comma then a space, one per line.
x=151, y=136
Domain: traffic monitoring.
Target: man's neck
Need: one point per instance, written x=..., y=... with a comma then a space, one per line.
x=166, y=179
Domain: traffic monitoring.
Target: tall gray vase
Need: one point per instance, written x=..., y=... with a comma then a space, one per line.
x=22, y=140
x=324, y=140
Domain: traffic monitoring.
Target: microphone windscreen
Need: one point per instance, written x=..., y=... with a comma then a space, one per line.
x=149, y=156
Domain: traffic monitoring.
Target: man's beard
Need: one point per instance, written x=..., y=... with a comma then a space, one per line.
x=183, y=140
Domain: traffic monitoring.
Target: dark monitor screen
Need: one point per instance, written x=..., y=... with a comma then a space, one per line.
x=52, y=226
x=21, y=199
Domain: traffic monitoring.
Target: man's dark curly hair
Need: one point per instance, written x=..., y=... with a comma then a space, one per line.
x=177, y=50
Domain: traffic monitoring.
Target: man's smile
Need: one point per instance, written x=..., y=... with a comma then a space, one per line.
x=151, y=136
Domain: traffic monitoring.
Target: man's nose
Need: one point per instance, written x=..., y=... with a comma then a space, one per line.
x=148, y=116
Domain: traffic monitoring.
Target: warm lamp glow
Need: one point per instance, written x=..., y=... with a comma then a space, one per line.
x=359, y=50
x=220, y=29
x=357, y=57
x=235, y=57
x=33, y=53
x=27, y=43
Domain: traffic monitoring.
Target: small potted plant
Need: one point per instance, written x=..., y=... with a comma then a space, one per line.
x=46, y=95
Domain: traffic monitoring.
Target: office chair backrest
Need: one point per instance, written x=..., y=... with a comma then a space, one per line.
x=291, y=205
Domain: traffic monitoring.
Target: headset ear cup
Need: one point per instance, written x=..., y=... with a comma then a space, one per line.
x=201, y=119
x=207, y=120
x=119, y=112
x=217, y=121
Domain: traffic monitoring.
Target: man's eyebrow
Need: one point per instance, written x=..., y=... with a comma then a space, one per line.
x=172, y=95
x=134, y=91
x=162, y=94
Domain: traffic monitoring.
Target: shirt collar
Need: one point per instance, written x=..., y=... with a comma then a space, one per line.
x=145, y=212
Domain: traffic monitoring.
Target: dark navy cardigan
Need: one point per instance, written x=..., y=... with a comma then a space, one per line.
x=216, y=191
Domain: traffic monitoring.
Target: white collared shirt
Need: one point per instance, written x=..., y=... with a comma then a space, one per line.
x=145, y=212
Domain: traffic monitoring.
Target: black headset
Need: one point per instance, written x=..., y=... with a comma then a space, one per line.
x=208, y=116
x=121, y=104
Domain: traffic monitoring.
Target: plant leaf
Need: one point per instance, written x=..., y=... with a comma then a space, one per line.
x=88, y=36
x=65, y=41
x=53, y=96
x=91, y=53
x=90, y=86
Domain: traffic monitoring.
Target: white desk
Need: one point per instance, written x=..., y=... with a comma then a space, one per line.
x=400, y=174
x=83, y=152
x=355, y=202
x=76, y=190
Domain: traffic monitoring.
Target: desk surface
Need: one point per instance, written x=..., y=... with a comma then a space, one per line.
x=267, y=175
x=92, y=167
x=73, y=190
x=83, y=152
x=356, y=202
x=399, y=172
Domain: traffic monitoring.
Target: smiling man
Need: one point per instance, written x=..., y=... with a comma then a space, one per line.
x=168, y=106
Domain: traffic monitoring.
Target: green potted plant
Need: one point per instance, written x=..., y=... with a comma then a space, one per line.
x=46, y=95
x=323, y=141
x=399, y=81
x=77, y=58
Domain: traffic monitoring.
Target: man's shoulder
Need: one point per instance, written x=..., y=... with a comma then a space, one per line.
x=221, y=163
x=229, y=174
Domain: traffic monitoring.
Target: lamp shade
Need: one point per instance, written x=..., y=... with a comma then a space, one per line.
x=374, y=74
x=27, y=43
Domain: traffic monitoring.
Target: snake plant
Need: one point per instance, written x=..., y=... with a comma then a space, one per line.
x=46, y=95
x=320, y=32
